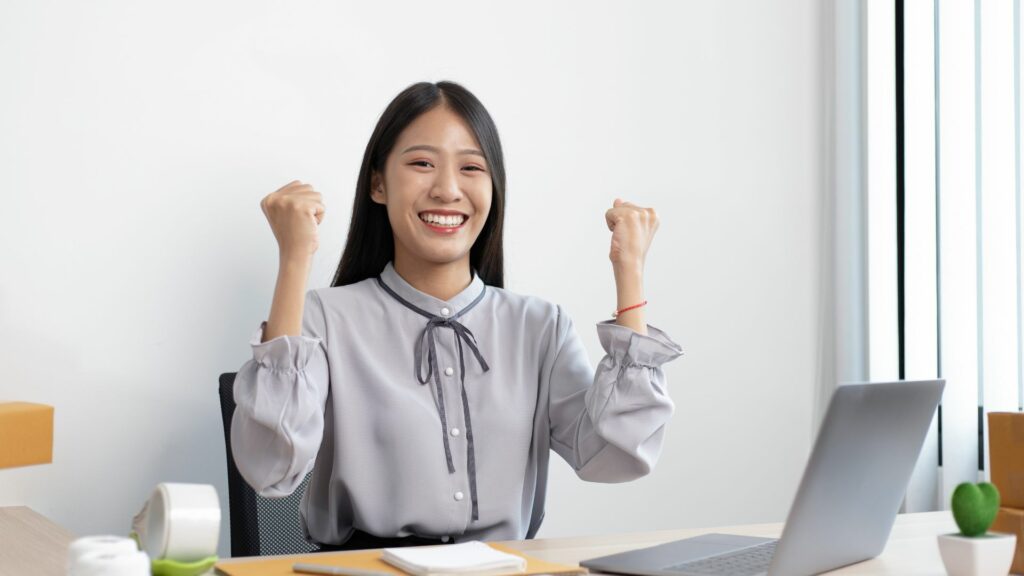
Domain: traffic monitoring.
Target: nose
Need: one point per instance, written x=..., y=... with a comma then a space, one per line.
x=446, y=186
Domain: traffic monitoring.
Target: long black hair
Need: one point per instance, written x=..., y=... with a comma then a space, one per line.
x=371, y=243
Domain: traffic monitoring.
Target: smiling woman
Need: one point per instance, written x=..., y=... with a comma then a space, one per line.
x=438, y=193
x=410, y=442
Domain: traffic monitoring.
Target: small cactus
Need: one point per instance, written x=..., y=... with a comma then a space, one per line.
x=975, y=507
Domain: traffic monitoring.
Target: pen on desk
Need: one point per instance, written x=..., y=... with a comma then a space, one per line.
x=335, y=570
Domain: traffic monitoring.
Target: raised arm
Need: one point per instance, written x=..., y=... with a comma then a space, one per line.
x=280, y=394
x=609, y=424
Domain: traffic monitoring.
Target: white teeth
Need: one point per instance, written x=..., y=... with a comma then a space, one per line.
x=436, y=219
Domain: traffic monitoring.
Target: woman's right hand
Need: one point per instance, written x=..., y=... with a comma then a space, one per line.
x=294, y=211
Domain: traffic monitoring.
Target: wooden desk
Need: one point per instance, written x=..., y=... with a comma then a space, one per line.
x=31, y=544
x=912, y=548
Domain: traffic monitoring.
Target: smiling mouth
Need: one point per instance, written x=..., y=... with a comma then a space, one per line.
x=443, y=221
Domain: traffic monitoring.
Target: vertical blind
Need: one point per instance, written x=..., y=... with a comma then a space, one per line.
x=944, y=229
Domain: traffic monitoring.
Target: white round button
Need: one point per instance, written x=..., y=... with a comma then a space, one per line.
x=445, y=311
x=459, y=496
x=449, y=371
x=445, y=538
x=455, y=432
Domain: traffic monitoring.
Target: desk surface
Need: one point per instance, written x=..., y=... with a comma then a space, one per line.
x=912, y=548
x=33, y=544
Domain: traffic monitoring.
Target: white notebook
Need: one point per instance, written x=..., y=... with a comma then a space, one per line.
x=454, y=560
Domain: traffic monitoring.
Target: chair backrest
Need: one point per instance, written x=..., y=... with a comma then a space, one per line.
x=259, y=526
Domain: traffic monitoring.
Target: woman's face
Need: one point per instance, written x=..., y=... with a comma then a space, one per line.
x=437, y=189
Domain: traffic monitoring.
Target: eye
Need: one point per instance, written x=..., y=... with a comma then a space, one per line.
x=477, y=168
x=422, y=163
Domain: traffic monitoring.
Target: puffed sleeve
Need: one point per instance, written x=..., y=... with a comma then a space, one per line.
x=280, y=396
x=609, y=425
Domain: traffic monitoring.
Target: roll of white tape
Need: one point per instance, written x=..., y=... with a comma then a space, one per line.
x=109, y=544
x=101, y=563
x=180, y=522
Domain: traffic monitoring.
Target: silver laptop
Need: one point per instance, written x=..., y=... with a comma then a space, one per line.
x=845, y=506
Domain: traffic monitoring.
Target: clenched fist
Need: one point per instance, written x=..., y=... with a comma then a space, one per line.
x=294, y=212
x=632, y=229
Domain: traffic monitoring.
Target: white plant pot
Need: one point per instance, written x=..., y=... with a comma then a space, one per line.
x=988, y=555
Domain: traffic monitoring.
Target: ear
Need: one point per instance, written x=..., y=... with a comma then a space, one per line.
x=377, y=193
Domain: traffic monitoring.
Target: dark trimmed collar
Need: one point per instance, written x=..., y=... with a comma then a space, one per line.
x=425, y=301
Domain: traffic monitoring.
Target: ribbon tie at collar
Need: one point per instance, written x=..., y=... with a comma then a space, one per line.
x=426, y=349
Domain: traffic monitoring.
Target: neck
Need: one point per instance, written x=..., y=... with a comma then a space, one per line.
x=442, y=281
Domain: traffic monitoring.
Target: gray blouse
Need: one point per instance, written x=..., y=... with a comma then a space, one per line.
x=434, y=418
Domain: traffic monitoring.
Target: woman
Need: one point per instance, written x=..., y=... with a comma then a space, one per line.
x=422, y=395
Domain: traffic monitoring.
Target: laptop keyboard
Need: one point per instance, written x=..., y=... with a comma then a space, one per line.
x=745, y=562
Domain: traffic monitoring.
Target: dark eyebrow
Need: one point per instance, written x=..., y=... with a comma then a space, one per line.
x=436, y=151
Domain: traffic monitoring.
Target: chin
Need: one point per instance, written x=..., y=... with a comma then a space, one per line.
x=438, y=252
x=441, y=254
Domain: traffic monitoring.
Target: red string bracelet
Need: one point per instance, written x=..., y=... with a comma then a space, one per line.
x=616, y=313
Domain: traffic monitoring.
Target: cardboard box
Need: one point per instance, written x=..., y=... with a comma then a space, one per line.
x=1011, y=521
x=26, y=434
x=1006, y=456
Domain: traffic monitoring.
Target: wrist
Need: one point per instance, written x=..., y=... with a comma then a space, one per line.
x=292, y=275
x=629, y=286
x=295, y=261
x=626, y=270
x=624, y=309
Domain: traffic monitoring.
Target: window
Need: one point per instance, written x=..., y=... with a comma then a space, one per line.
x=943, y=231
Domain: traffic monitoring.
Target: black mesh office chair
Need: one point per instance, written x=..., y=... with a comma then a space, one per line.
x=259, y=526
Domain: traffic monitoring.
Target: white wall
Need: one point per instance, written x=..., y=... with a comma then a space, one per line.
x=136, y=139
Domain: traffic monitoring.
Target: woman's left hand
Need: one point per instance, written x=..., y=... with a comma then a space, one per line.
x=633, y=228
